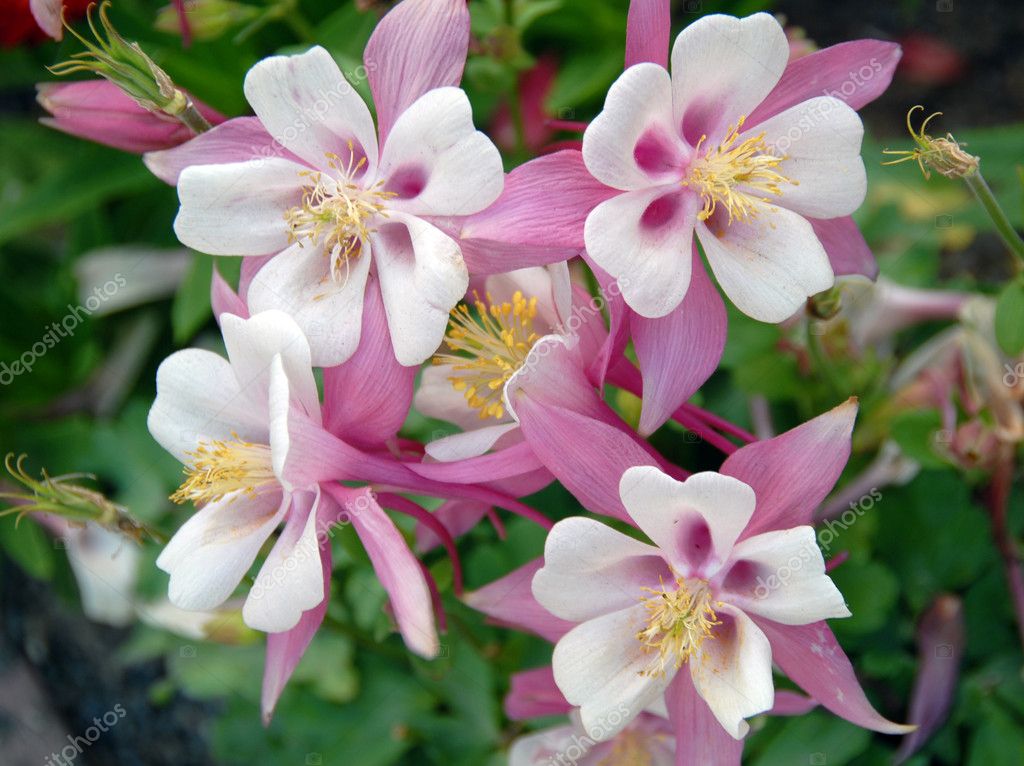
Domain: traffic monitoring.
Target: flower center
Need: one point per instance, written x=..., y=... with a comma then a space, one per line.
x=219, y=468
x=630, y=749
x=678, y=622
x=336, y=213
x=736, y=175
x=494, y=344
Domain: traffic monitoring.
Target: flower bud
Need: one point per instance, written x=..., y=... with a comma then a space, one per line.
x=98, y=110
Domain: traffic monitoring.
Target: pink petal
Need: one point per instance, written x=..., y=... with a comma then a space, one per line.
x=284, y=650
x=813, y=659
x=678, y=352
x=509, y=601
x=856, y=72
x=588, y=456
x=457, y=517
x=502, y=464
x=647, y=31
x=544, y=203
x=792, y=473
x=534, y=694
x=700, y=738
x=396, y=567
x=224, y=300
x=367, y=398
x=237, y=140
x=420, y=45
x=940, y=644
x=845, y=246
x=47, y=15
x=792, y=703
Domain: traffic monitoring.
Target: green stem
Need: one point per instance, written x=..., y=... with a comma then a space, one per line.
x=193, y=119
x=821, y=362
x=976, y=183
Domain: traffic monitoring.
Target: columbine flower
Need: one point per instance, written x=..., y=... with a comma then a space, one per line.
x=692, y=157
x=336, y=200
x=647, y=612
x=487, y=343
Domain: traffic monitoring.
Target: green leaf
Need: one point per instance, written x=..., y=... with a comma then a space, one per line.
x=28, y=545
x=815, y=738
x=1010, y=318
x=917, y=432
x=191, y=309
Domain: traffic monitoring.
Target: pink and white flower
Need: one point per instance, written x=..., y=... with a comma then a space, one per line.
x=692, y=156
x=332, y=198
x=645, y=612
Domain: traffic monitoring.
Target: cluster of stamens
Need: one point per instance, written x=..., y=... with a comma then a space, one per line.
x=219, y=468
x=494, y=343
x=336, y=213
x=678, y=621
x=736, y=175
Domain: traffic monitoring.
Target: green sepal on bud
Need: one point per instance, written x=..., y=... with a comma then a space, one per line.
x=825, y=305
x=126, y=65
x=60, y=496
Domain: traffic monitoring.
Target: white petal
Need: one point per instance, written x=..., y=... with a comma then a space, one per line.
x=733, y=671
x=437, y=162
x=467, y=444
x=537, y=748
x=309, y=107
x=821, y=140
x=768, y=265
x=106, y=567
x=723, y=67
x=694, y=522
x=591, y=569
x=330, y=314
x=290, y=581
x=253, y=343
x=198, y=399
x=644, y=239
x=213, y=550
x=784, y=578
x=633, y=144
x=600, y=666
x=237, y=209
x=422, y=277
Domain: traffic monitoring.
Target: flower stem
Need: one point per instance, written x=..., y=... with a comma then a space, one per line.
x=998, y=500
x=193, y=119
x=976, y=183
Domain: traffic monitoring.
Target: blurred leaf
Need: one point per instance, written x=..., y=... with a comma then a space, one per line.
x=1010, y=318
x=915, y=431
x=816, y=738
x=30, y=547
x=191, y=309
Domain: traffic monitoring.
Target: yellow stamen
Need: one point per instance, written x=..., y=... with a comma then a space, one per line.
x=737, y=175
x=496, y=342
x=336, y=213
x=219, y=468
x=678, y=622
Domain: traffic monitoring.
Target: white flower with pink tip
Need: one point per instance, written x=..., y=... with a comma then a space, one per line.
x=693, y=156
x=647, y=612
x=332, y=205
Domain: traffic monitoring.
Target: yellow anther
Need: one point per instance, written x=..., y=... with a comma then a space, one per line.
x=679, y=620
x=219, y=468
